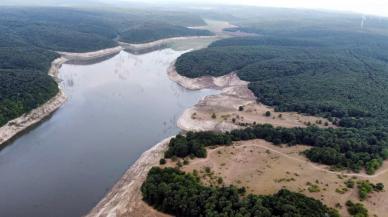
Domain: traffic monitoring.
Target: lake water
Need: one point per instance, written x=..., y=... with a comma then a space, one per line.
x=116, y=110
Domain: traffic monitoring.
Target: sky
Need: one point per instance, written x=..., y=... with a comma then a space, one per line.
x=372, y=7
x=375, y=7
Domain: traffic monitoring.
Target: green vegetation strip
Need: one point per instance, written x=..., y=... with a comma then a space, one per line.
x=343, y=147
x=174, y=192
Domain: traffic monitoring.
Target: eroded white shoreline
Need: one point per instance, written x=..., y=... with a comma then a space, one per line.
x=159, y=43
x=232, y=89
x=27, y=120
x=125, y=196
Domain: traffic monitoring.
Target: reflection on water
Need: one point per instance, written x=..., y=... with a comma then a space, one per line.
x=116, y=110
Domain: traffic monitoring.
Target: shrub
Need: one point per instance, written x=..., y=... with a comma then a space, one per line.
x=162, y=161
x=356, y=209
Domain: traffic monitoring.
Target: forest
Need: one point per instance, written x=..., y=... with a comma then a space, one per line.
x=82, y=30
x=346, y=82
x=180, y=194
x=24, y=83
x=153, y=31
x=30, y=35
x=338, y=71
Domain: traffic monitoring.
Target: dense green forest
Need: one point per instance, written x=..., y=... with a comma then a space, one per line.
x=154, y=32
x=174, y=192
x=344, y=81
x=81, y=30
x=30, y=35
x=331, y=68
x=24, y=83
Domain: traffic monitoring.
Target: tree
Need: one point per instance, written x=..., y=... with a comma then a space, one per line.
x=373, y=165
x=356, y=209
x=379, y=187
x=180, y=194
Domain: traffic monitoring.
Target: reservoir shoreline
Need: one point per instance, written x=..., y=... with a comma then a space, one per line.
x=54, y=152
x=17, y=126
x=20, y=124
x=125, y=198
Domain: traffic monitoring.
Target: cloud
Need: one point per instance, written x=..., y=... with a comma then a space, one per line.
x=376, y=7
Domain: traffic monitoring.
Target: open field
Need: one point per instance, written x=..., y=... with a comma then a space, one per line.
x=264, y=169
x=224, y=110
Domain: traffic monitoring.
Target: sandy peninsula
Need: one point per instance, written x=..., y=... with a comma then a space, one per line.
x=234, y=107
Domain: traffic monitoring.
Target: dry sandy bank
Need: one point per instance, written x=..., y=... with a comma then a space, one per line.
x=16, y=126
x=157, y=44
x=222, y=112
x=204, y=82
x=91, y=55
x=125, y=198
x=27, y=120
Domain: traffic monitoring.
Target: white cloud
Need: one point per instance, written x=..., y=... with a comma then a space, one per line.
x=376, y=7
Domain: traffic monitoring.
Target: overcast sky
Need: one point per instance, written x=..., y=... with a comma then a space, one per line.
x=376, y=7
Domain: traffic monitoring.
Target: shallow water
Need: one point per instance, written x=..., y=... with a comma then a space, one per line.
x=116, y=110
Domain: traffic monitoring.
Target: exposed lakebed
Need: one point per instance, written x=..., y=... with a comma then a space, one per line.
x=116, y=110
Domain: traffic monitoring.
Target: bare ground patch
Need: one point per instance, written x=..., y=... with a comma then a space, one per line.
x=234, y=107
x=264, y=169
